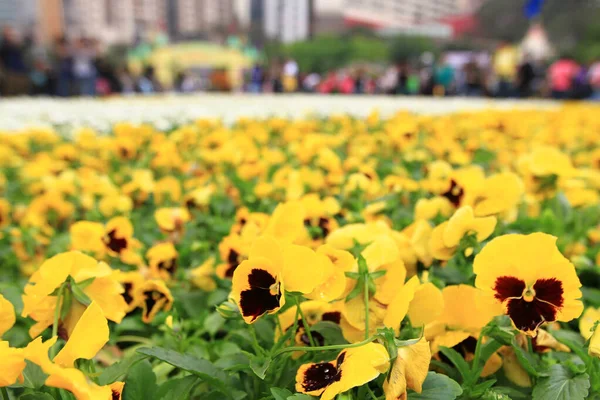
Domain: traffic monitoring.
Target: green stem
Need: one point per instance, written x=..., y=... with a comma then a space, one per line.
x=325, y=348
x=278, y=324
x=305, y=323
x=366, y=290
x=4, y=392
x=57, y=310
x=476, y=357
x=295, y=326
x=133, y=339
x=371, y=392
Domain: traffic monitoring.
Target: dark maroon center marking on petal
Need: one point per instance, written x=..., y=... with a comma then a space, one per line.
x=115, y=244
x=324, y=225
x=317, y=338
x=233, y=260
x=260, y=279
x=170, y=266
x=116, y=395
x=507, y=287
x=333, y=316
x=340, y=359
x=529, y=315
x=127, y=293
x=319, y=376
x=307, y=223
x=454, y=194
x=190, y=203
x=150, y=299
x=550, y=291
x=259, y=300
x=368, y=175
x=464, y=348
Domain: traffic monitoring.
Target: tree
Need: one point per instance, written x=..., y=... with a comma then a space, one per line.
x=403, y=48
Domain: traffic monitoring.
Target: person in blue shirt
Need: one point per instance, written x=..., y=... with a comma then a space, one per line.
x=14, y=79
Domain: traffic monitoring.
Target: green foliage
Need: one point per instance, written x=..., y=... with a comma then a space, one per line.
x=140, y=382
x=562, y=384
x=437, y=387
x=403, y=48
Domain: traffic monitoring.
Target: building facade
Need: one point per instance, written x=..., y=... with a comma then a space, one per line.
x=397, y=13
x=109, y=21
x=287, y=21
x=202, y=17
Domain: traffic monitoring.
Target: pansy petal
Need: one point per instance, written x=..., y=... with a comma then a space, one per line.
x=89, y=336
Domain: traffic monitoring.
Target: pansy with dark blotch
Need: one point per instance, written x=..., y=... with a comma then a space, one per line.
x=155, y=296
x=532, y=280
x=118, y=234
x=256, y=285
x=258, y=282
x=352, y=367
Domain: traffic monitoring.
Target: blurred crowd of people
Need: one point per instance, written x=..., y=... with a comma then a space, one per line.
x=66, y=68
x=505, y=74
x=80, y=68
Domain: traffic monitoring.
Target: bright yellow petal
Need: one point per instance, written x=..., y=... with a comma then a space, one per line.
x=398, y=308
x=269, y=248
x=7, y=315
x=302, y=270
x=386, y=287
x=287, y=222
x=409, y=370
x=89, y=336
x=334, y=282
x=12, y=363
x=382, y=251
x=426, y=306
x=51, y=274
x=106, y=293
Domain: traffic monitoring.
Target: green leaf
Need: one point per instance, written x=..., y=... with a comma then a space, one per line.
x=260, y=365
x=178, y=389
x=213, y=323
x=200, y=367
x=331, y=332
x=591, y=295
x=80, y=295
x=437, y=387
x=494, y=395
x=299, y=396
x=512, y=393
x=459, y=362
x=83, y=284
x=118, y=370
x=504, y=335
x=527, y=361
x=483, y=387
x=140, y=382
x=280, y=394
x=487, y=350
x=561, y=384
x=33, y=376
x=36, y=396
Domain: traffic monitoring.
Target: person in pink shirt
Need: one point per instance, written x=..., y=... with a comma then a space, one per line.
x=561, y=75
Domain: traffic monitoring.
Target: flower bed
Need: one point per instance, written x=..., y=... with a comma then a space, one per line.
x=365, y=257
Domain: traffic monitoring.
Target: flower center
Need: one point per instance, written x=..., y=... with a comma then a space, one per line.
x=528, y=294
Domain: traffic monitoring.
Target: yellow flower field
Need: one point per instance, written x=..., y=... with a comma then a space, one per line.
x=411, y=257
